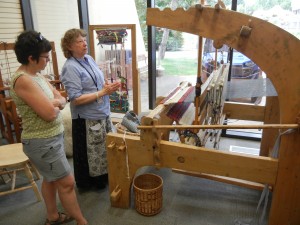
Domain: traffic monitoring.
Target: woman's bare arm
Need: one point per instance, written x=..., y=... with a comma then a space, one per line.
x=32, y=95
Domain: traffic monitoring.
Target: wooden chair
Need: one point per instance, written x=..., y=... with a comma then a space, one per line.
x=60, y=87
x=3, y=89
x=12, y=161
x=13, y=123
x=56, y=82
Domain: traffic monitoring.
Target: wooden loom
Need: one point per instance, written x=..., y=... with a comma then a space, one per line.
x=135, y=75
x=276, y=52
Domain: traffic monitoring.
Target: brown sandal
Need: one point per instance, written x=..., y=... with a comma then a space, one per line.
x=62, y=219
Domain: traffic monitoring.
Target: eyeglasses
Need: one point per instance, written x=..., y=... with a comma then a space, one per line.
x=46, y=57
x=39, y=37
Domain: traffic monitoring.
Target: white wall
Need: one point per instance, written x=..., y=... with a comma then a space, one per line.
x=53, y=18
x=116, y=12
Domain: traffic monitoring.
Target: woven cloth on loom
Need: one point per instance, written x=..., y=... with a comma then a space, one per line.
x=188, y=116
x=187, y=93
x=182, y=113
x=178, y=95
x=170, y=95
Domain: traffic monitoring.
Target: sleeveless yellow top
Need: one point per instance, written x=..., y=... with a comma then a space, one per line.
x=34, y=126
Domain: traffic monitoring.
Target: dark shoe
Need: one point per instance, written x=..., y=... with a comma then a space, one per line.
x=98, y=182
x=62, y=219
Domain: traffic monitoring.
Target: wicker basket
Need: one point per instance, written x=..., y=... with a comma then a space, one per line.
x=148, y=194
x=121, y=130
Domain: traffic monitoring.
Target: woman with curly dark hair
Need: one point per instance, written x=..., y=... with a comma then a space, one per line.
x=39, y=105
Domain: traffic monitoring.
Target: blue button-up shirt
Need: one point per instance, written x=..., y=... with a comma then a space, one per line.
x=80, y=77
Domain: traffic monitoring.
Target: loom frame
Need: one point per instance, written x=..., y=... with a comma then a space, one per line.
x=135, y=75
x=276, y=52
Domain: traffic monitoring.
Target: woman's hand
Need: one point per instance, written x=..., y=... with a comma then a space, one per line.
x=94, y=96
x=60, y=103
x=111, y=88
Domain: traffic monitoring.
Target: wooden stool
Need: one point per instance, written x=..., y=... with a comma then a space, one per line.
x=12, y=160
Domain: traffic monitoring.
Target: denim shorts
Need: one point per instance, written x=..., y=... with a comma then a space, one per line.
x=48, y=156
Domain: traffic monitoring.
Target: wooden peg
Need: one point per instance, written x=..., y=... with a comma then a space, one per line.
x=182, y=138
x=217, y=6
x=122, y=148
x=111, y=146
x=181, y=159
x=245, y=31
x=199, y=6
x=217, y=44
x=116, y=194
x=220, y=5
